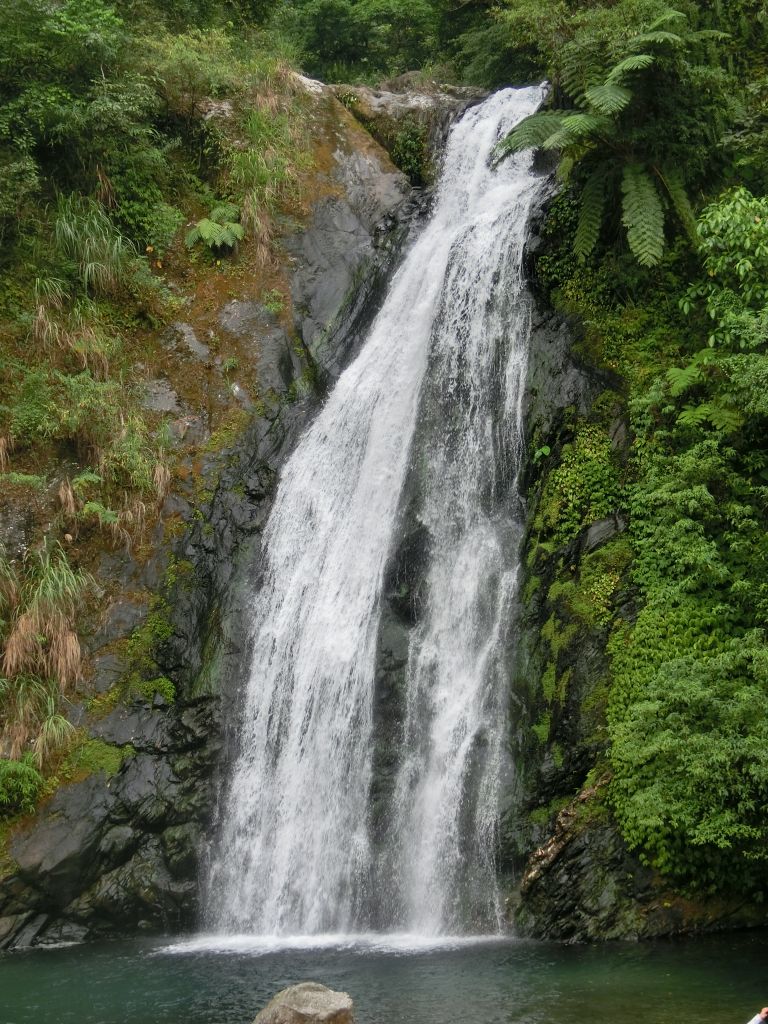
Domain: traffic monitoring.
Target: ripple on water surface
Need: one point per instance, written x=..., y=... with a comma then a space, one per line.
x=394, y=978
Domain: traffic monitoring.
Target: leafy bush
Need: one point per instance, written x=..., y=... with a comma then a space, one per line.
x=583, y=488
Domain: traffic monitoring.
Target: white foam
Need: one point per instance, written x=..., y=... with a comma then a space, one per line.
x=363, y=942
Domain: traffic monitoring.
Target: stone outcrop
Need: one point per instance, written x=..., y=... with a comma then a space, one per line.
x=410, y=117
x=307, y=1003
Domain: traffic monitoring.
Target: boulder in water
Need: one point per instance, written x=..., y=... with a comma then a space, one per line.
x=307, y=1003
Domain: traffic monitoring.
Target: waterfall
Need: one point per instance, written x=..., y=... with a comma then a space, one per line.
x=295, y=854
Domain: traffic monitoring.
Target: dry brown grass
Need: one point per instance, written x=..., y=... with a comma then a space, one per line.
x=44, y=600
x=161, y=478
x=130, y=524
x=258, y=223
x=46, y=328
x=67, y=498
x=6, y=447
x=41, y=655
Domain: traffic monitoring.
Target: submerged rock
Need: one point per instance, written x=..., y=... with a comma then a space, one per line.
x=307, y=1003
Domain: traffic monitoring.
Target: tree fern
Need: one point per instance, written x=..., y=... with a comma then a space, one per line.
x=602, y=133
x=593, y=199
x=532, y=132
x=681, y=378
x=635, y=62
x=608, y=98
x=668, y=16
x=220, y=230
x=642, y=215
x=656, y=38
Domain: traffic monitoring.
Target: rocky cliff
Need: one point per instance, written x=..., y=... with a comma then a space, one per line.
x=119, y=848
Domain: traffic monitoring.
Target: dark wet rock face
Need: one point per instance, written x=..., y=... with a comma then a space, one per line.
x=121, y=853
x=276, y=360
x=344, y=257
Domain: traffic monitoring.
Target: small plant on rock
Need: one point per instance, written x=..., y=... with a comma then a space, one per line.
x=220, y=231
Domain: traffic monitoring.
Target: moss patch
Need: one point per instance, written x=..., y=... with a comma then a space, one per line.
x=90, y=756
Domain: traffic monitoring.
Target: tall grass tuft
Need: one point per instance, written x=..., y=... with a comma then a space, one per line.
x=41, y=657
x=50, y=296
x=84, y=234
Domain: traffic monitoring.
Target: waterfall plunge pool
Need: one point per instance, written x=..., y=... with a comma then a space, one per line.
x=713, y=980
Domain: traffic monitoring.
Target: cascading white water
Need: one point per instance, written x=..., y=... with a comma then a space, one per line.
x=445, y=807
x=295, y=854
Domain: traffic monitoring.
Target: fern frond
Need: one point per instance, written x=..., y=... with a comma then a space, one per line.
x=565, y=167
x=722, y=417
x=531, y=133
x=725, y=417
x=577, y=77
x=635, y=62
x=232, y=234
x=225, y=212
x=711, y=35
x=608, y=98
x=642, y=215
x=657, y=37
x=193, y=236
x=577, y=128
x=673, y=182
x=694, y=415
x=593, y=198
x=681, y=378
x=664, y=19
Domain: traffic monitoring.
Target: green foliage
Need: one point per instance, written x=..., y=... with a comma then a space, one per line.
x=219, y=231
x=409, y=150
x=623, y=133
x=687, y=739
x=21, y=786
x=734, y=242
x=98, y=253
x=589, y=596
x=691, y=767
x=583, y=488
x=541, y=729
x=149, y=688
x=684, y=705
x=347, y=39
x=22, y=480
x=144, y=642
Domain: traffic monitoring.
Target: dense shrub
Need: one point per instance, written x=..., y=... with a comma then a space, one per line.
x=21, y=785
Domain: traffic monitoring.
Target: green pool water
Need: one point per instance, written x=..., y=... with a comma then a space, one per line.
x=719, y=980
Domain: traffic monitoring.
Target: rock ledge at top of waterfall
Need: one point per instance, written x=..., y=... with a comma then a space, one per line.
x=307, y=1003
